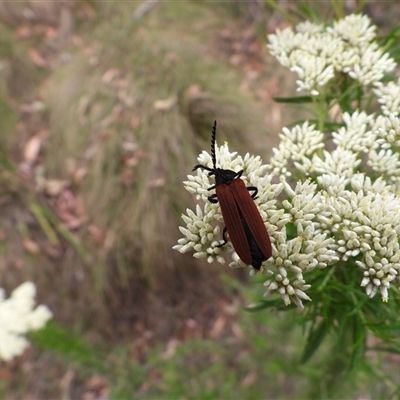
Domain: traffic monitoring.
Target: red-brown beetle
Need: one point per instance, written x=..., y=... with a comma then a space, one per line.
x=243, y=221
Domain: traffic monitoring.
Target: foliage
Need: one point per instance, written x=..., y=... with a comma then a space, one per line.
x=334, y=216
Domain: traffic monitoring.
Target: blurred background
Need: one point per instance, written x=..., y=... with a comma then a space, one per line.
x=104, y=107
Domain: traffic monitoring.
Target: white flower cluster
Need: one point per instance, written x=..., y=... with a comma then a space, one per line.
x=17, y=317
x=293, y=255
x=365, y=220
x=361, y=214
x=317, y=53
x=377, y=137
x=336, y=215
x=345, y=208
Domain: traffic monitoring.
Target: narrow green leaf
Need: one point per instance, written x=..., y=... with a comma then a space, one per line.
x=67, y=234
x=39, y=214
x=315, y=338
x=294, y=100
x=392, y=37
x=358, y=338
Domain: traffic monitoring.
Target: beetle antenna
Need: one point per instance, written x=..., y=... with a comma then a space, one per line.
x=214, y=134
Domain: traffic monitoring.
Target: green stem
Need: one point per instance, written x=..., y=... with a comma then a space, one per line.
x=66, y=233
x=37, y=211
x=360, y=6
x=338, y=6
x=344, y=100
x=284, y=14
x=320, y=108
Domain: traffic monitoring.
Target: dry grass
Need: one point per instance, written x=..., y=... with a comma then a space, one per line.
x=126, y=107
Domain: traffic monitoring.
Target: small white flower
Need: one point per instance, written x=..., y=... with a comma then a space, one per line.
x=313, y=73
x=303, y=203
x=372, y=65
x=339, y=162
x=357, y=135
x=298, y=145
x=386, y=163
x=389, y=97
x=388, y=132
x=354, y=29
x=378, y=275
x=17, y=317
x=309, y=28
x=200, y=234
x=282, y=43
x=333, y=185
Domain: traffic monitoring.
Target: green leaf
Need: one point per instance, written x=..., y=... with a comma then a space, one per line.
x=294, y=100
x=392, y=37
x=359, y=334
x=315, y=338
x=305, y=12
x=61, y=340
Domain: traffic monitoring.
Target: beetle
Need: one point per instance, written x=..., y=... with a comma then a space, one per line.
x=243, y=222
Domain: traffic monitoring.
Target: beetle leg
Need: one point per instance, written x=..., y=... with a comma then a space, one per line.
x=224, y=237
x=254, y=190
x=213, y=198
x=239, y=174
